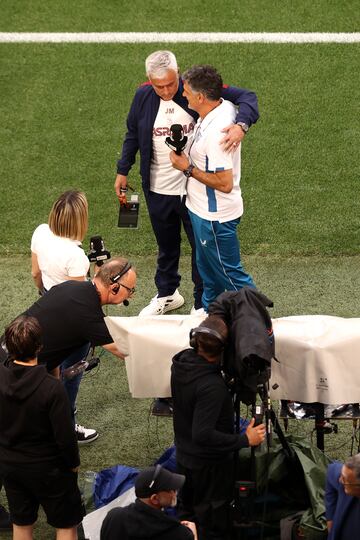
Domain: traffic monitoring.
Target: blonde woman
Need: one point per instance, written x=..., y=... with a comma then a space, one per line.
x=56, y=253
x=57, y=256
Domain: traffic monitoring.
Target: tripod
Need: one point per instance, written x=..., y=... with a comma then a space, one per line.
x=246, y=489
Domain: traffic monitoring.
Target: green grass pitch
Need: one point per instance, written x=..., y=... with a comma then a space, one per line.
x=63, y=111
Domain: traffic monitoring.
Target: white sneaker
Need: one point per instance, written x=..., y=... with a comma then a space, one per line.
x=85, y=435
x=159, y=306
x=200, y=311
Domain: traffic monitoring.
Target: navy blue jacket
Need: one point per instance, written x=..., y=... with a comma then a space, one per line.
x=142, y=115
x=338, y=504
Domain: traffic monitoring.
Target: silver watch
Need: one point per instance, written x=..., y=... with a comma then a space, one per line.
x=243, y=126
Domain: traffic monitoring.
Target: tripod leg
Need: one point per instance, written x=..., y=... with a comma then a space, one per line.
x=319, y=425
x=279, y=432
x=353, y=436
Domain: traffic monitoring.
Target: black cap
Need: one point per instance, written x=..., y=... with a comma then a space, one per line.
x=155, y=479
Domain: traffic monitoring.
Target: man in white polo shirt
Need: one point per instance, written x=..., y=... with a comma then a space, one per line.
x=213, y=189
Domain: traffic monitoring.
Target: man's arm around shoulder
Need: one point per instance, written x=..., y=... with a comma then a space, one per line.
x=245, y=100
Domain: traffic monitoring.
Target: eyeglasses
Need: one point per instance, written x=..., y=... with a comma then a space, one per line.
x=342, y=481
x=131, y=290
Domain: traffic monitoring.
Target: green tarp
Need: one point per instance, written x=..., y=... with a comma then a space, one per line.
x=290, y=485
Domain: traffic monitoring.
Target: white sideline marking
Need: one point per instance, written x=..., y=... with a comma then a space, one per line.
x=179, y=37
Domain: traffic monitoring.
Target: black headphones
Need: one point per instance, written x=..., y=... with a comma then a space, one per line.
x=119, y=275
x=204, y=330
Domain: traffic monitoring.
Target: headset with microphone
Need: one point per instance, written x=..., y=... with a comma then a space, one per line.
x=115, y=279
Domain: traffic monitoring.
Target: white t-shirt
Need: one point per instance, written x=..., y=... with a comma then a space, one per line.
x=206, y=154
x=59, y=258
x=164, y=178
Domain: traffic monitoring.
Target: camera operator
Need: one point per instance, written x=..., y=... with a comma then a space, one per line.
x=204, y=430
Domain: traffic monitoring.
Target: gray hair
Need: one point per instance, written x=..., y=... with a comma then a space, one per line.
x=159, y=62
x=353, y=463
x=111, y=268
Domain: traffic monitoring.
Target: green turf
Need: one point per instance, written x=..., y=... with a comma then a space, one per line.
x=297, y=285
x=186, y=15
x=63, y=112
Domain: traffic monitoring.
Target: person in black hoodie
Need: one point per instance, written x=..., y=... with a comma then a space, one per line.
x=204, y=430
x=39, y=456
x=155, y=488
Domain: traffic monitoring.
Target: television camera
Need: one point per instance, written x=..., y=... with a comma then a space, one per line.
x=247, y=358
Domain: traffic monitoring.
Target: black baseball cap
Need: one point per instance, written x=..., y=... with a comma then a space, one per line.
x=155, y=479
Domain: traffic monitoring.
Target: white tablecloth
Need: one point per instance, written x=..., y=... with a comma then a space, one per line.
x=319, y=355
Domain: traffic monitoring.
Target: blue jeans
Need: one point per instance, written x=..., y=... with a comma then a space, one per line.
x=218, y=257
x=72, y=385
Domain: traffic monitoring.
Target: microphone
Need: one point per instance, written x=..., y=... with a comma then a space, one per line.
x=126, y=302
x=98, y=253
x=177, y=140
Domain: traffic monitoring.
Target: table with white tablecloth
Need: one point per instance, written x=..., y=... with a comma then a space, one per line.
x=317, y=355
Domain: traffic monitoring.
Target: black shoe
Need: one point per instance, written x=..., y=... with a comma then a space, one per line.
x=5, y=523
x=162, y=407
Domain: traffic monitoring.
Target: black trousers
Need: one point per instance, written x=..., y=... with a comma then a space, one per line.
x=167, y=214
x=205, y=498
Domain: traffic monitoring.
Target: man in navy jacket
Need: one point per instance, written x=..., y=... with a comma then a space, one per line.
x=157, y=105
x=342, y=499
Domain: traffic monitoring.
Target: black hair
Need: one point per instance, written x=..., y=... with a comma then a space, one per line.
x=206, y=80
x=23, y=338
x=209, y=343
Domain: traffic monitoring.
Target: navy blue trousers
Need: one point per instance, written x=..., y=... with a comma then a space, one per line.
x=167, y=213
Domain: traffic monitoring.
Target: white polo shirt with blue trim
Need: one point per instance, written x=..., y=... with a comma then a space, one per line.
x=207, y=154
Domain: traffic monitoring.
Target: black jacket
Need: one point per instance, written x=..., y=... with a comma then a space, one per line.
x=139, y=521
x=35, y=420
x=203, y=412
